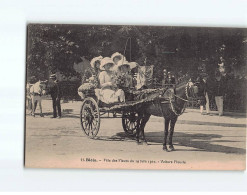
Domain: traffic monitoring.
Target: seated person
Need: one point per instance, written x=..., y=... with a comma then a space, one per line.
x=92, y=82
x=116, y=57
x=124, y=79
x=109, y=92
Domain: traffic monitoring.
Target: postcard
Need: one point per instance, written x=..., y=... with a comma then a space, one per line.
x=135, y=97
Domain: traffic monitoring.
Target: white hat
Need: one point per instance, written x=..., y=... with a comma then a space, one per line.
x=133, y=65
x=118, y=55
x=122, y=63
x=94, y=60
x=105, y=61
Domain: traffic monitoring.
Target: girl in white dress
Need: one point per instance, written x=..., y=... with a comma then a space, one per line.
x=109, y=92
x=124, y=78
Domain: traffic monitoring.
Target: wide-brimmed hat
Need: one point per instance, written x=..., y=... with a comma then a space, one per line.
x=122, y=63
x=105, y=61
x=133, y=64
x=94, y=60
x=117, y=54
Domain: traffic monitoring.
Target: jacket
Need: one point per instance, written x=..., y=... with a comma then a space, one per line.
x=220, y=87
x=55, y=90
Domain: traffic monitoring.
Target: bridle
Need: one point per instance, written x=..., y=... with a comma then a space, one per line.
x=185, y=100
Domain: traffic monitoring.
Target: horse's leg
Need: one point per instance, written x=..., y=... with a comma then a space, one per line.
x=142, y=126
x=172, y=125
x=40, y=107
x=33, y=106
x=166, y=126
x=30, y=108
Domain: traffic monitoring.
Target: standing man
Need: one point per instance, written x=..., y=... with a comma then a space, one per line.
x=56, y=96
x=206, y=93
x=170, y=80
x=219, y=92
x=164, y=80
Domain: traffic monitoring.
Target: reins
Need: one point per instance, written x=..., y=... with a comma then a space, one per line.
x=181, y=98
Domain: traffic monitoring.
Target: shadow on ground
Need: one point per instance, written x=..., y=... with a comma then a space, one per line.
x=209, y=123
x=194, y=142
x=199, y=141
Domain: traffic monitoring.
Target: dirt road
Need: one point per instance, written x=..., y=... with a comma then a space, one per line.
x=201, y=142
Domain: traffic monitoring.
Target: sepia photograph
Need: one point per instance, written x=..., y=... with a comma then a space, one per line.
x=135, y=97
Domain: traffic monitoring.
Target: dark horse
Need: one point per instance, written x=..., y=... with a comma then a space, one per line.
x=170, y=109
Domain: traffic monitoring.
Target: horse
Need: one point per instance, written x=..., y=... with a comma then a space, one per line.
x=169, y=110
x=28, y=98
x=36, y=91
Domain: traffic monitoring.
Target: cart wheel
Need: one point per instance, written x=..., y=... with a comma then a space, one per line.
x=90, y=117
x=129, y=122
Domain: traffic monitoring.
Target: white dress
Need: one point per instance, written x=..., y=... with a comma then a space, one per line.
x=108, y=93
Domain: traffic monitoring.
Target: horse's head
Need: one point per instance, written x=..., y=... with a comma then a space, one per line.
x=186, y=87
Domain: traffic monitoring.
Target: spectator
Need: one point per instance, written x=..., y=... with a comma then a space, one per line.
x=230, y=95
x=206, y=89
x=221, y=66
x=56, y=96
x=171, y=79
x=201, y=93
x=219, y=92
x=164, y=78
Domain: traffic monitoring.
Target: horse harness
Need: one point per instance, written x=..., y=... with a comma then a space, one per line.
x=172, y=106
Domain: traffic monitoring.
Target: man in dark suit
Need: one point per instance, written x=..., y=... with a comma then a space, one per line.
x=169, y=80
x=219, y=92
x=56, y=96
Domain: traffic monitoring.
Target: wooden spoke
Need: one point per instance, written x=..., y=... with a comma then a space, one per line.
x=129, y=123
x=90, y=117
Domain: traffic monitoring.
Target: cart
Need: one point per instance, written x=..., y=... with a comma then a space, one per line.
x=92, y=109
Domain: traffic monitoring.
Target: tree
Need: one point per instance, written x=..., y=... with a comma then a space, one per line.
x=54, y=48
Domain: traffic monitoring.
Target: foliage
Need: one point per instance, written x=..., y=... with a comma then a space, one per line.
x=53, y=48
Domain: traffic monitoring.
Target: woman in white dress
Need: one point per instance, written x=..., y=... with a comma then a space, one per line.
x=109, y=92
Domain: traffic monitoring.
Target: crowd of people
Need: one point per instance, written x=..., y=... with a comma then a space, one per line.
x=216, y=88
x=223, y=89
